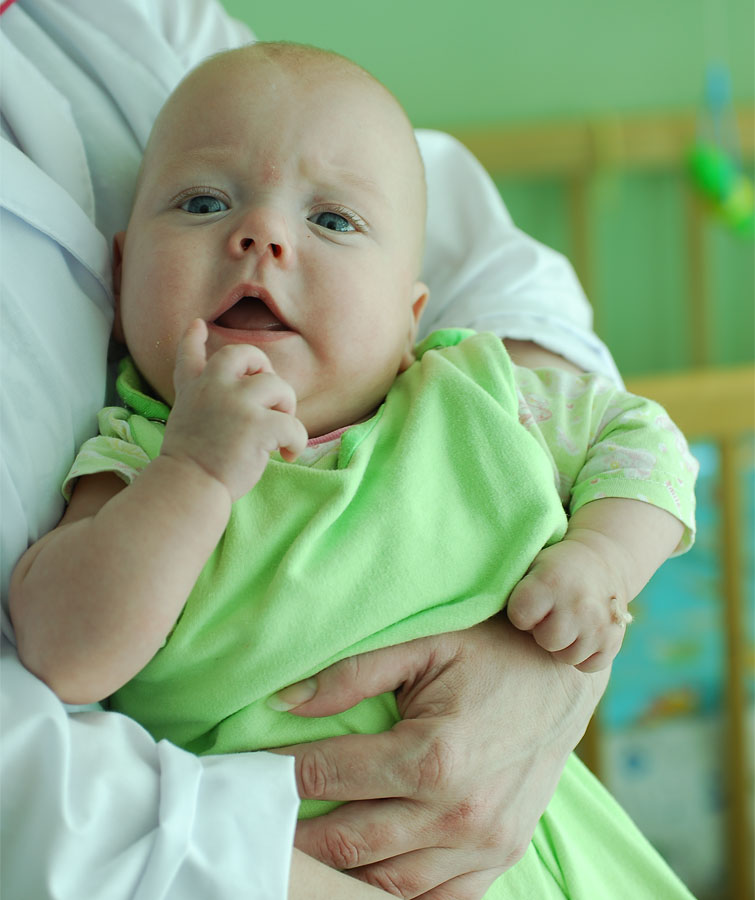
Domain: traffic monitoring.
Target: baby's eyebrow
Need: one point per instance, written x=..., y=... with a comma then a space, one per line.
x=336, y=177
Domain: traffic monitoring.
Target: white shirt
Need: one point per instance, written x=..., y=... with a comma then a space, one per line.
x=92, y=807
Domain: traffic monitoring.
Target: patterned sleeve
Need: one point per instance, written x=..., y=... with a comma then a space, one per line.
x=604, y=442
x=112, y=450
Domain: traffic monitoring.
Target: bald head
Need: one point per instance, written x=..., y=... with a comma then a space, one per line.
x=323, y=79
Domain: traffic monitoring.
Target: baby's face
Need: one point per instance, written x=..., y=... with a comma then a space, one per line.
x=287, y=212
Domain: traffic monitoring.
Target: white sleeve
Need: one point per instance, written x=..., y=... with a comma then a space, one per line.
x=93, y=808
x=486, y=274
x=196, y=28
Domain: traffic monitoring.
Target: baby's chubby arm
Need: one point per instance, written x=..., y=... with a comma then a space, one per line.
x=93, y=600
x=575, y=595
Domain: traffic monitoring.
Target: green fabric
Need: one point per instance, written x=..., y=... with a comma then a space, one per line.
x=322, y=562
x=585, y=847
x=134, y=391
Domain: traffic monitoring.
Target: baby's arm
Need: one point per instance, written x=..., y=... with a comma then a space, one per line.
x=575, y=595
x=623, y=449
x=92, y=601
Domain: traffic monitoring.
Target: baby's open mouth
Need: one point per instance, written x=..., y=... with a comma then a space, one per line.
x=251, y=314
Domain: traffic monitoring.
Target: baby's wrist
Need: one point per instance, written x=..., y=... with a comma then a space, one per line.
x=192, y=479
x=632, y=536
x=612, y=555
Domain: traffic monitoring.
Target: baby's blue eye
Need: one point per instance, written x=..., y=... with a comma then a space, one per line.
x=332, y=221
x=203, y=205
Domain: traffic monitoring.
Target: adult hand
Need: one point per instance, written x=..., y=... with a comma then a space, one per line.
x=449, y=798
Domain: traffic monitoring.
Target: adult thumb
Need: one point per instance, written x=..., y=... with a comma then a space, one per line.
x=348, y=682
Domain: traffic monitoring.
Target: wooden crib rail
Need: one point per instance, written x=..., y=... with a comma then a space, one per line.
x=718, y=405
x=713, y=404
x=575, y=152
x=577, y=148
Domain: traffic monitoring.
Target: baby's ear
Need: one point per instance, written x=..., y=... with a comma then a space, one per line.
x=420, y=294
x=119, y=241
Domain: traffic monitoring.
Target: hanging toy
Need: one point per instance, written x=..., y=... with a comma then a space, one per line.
x=713, y=161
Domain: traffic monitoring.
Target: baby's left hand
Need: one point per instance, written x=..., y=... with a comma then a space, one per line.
x=573, y=602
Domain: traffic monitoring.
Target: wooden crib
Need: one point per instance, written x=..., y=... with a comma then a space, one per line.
x=708, y=402
x=718, y=405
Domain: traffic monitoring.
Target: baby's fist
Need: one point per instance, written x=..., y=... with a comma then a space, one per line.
x=231, y=412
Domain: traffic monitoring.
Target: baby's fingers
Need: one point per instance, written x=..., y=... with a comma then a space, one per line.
x=529, y=603
x=272, y=393
x=559, y=630
x=594, y=652
x=267, y=390
x=191, y=354
x=239, y=361
x=292, y=445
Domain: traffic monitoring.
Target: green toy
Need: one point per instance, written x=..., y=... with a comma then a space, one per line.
x=713, y=162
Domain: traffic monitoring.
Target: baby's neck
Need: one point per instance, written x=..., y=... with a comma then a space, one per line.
x=334, y=433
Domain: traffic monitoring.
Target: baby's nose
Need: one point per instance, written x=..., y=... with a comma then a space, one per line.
x=263, y=231
x=247, y=242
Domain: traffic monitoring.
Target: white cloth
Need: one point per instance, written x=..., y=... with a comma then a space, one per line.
x=486, y=274
x=91, y=806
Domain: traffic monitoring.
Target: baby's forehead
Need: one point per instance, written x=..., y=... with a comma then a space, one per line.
x=291, y=73
x=263, y=76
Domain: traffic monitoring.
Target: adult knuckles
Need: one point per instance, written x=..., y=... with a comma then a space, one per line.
x=317, y=774
x=405, y=883
x=345, y=675
x=472, y=886
x=436, y=768
x=505, y=846
x=515, y=853
x=477, y=821
x=340, y=846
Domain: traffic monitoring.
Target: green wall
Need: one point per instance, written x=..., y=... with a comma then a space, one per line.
x=482, y=61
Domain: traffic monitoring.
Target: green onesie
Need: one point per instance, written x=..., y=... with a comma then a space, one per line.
x=421, y=521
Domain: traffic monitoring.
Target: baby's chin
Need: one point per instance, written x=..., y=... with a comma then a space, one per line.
x=157, y=385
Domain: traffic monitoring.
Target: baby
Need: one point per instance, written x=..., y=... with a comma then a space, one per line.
x=290, y=481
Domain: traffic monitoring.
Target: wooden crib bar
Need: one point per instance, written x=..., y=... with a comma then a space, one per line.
x=577, y=151
x=711, y=404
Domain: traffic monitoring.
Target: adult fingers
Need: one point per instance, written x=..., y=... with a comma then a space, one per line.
x=391, y=845
x=410, y=760
x=423, y=873
x=351, y=680
x=361, y=833
x=430, y=875
x=466, y=887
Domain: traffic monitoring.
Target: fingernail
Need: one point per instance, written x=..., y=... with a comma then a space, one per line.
x=293, y=695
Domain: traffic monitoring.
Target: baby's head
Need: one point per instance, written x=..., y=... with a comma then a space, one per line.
x=281, y=199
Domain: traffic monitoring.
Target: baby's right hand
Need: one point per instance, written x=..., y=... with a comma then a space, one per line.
x=230, y=413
